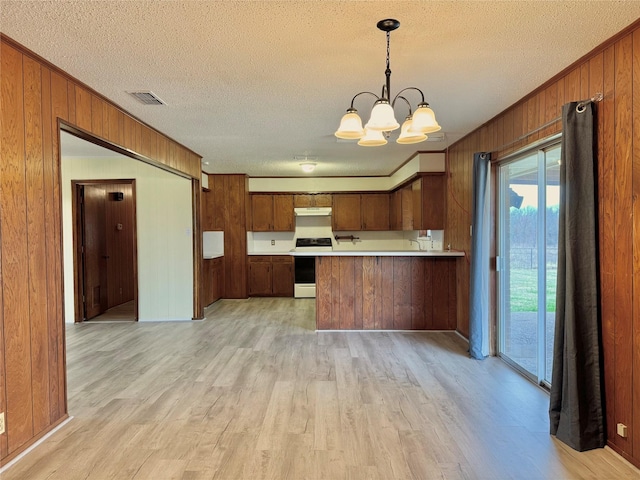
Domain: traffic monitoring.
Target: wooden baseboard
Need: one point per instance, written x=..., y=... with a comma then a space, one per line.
x=16, y=453
x=632, y=460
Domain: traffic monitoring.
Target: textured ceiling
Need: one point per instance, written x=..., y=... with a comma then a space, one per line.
x=251, y=84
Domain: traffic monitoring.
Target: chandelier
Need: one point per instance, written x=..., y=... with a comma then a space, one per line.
x=382, y=121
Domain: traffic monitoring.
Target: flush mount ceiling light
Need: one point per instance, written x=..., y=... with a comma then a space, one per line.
x=382, y=121
x=307, y=163
x=308, y=167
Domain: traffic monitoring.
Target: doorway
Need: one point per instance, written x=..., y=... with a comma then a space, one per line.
x=104, y=239
x=528, y=206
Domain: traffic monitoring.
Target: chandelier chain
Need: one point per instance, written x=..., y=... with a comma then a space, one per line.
x=388, y=48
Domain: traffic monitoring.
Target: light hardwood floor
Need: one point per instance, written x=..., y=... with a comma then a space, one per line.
x=121, y=313
x=253, y=392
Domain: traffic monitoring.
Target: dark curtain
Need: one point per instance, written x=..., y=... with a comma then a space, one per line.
x=479, y=268
x=576, y=407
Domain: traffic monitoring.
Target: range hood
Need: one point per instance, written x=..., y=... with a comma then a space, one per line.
x=312, y=212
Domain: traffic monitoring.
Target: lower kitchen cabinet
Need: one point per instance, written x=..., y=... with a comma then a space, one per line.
x=212, y=280
x=270, y=276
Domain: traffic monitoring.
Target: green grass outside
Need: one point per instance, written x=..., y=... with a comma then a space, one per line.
x=524, y=290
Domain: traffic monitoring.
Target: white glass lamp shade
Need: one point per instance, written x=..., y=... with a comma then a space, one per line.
x=372, y=138
x=308, y=167
x=406, y=137
x=382, y=118
x=424, y=120
x=350, y=126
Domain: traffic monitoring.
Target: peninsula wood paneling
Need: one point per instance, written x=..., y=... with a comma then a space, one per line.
x=385, y=293
x=612, y=69
x=35, y=95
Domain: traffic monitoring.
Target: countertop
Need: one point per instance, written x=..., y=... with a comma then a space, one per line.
x=270, y=253
x=211, y=256
x=376, y=253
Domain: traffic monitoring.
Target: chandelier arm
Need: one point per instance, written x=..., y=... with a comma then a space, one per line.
x=400, y=97
x=409, y=88
x=361, y=93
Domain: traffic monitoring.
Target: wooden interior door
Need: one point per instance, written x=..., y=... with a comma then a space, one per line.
x=94, y=249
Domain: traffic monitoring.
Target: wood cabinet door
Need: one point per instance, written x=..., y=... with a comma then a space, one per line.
x=259, y=278
x=302, y=200
x=207, y=211
x=218, y=187
x=395, y=210
x=416, y=196
x=282, y=277
x=217, y=275
x=262, y=212
x=208, y=282
x=305, y=200
x=375, y=211
x=346, y=212
x=283, y=220
x=322, y=200
x=433, y=202
x=407, y=208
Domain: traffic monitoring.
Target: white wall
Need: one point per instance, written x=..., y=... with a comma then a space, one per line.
x=164, y=233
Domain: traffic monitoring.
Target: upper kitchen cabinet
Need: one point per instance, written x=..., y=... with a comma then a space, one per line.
x=395, y=210
x=213, y=204
x=346, y=213
x=433, y=202
x=419, y=205
x=375, y=211
x=283, y=220
x=355, y=212
x=272, y=213
x=305, y=200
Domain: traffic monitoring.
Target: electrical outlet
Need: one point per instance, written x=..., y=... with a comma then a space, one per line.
x=621, y=429
x=273, y=242
x=1, y=423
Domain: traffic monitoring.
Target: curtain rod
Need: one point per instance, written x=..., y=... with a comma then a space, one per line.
x=579, y=108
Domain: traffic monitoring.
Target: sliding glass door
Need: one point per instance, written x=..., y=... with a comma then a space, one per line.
x=528, y=202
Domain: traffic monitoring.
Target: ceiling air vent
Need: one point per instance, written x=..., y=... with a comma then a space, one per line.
x=436, y=137
x=147, y=97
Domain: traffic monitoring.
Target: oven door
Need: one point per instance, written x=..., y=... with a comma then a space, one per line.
x=305, y=277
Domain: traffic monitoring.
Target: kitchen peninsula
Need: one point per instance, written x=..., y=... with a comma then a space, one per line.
x=385, y=290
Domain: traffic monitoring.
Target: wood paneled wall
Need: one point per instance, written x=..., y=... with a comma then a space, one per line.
x=613, y=69
x=385, y=293
x=34, y=95
x=227, y=205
